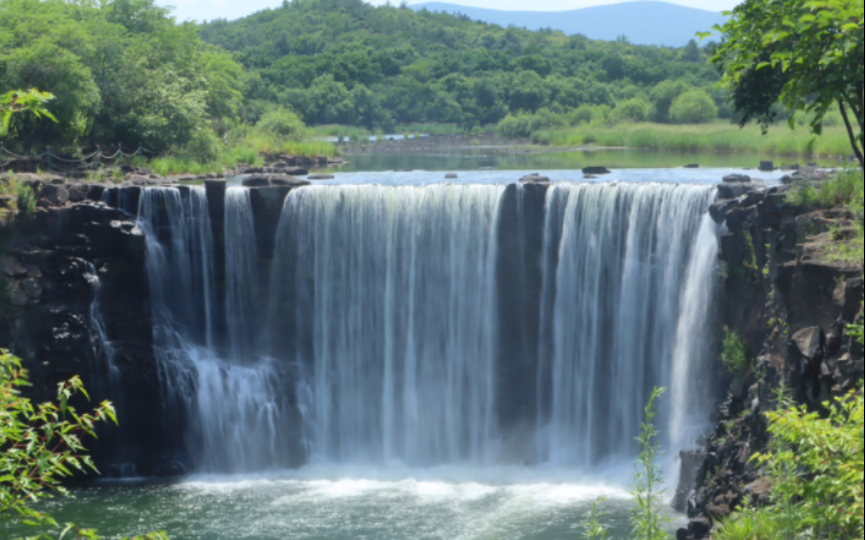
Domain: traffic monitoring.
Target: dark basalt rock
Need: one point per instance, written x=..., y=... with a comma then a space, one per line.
x=732, y=191
x=691, y=462
x=691, y=166
x=791, y=305
x=766, y=166
x=595, y=170
x=267, y=179
x=535, y=178
x=736, y=178
x=321, y=176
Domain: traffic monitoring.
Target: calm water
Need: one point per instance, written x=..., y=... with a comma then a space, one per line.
x=474, y=159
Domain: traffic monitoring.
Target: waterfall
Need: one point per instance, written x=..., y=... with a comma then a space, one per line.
x=690, y=382
x=242, y=282
x=229, y=404
x=614, y=261
x=376, y=332
x=401, y=318
x=104, y=349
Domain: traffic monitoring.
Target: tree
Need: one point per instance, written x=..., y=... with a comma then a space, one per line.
x=632, y=110
x=693, y=107
x=40, y=446
x=811, y=53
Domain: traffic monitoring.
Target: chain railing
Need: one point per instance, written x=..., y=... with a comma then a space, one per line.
x=53, y=162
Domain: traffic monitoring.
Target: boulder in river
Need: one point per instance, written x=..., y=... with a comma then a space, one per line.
x=736, y=178
x=278, y=179
x=595, y=170
x=535, y=178
x=320, y=176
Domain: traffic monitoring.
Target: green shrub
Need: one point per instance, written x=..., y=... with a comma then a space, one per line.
x=816, y=468
x=203, y=147
x=592, y=528
x=647, y=520
x=693, y=107
x=662, y=96
x=40, y=445
x=26, y=199
x=632, y=110
x=735, y=353
x=283, y=124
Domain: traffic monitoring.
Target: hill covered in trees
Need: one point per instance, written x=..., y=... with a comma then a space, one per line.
x=125, y=72
x=346, y=62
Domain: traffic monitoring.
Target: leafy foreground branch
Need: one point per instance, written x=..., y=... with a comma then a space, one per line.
x=816, y=467
x=814, y=464
x=42, y=445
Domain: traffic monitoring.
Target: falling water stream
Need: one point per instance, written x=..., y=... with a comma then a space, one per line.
x=370, y=347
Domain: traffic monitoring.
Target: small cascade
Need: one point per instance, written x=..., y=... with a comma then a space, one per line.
x=229, y=404
x=691, y=383
x=614, y=264
x=103, y=348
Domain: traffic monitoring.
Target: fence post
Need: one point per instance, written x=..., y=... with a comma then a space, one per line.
x=48, y=156
x=98, y=157
x=119, y=153
x=1, y=153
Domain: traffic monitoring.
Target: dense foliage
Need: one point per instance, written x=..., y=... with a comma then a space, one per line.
x=816, y=468
x=122, y=72
x=347, y=62
x=41, y=445
x=809, y=55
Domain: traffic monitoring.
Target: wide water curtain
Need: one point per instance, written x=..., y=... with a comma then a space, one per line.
x=396, y=304
x=385, y=326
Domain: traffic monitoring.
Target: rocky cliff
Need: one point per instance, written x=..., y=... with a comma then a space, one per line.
x=790, y=290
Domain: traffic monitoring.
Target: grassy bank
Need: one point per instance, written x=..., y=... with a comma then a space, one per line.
x=716, y=137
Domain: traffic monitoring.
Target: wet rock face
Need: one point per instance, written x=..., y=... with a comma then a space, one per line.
x=57, y=257
x=791, y=304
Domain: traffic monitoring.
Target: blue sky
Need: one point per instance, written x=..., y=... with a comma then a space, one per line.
x=232, y=9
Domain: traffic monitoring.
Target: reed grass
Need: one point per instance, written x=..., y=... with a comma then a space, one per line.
x=347, y=133
x=716, y=137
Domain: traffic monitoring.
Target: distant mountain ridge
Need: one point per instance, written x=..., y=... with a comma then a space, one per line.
x=643, y=22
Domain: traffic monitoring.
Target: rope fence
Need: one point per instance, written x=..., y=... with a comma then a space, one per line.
x=53, y=162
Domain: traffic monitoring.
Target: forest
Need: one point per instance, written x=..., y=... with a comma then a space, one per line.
x=125, y=72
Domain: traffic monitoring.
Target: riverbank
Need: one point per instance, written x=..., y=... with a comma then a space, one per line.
x=717, y=137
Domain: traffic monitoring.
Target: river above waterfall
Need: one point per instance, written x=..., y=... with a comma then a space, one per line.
x=520, y=158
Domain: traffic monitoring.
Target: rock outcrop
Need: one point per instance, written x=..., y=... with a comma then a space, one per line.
x=790, y=297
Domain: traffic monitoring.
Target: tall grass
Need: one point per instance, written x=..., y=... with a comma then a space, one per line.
x=347, y=133
x=268, y=144
x=717, y=137
x=176, y=165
